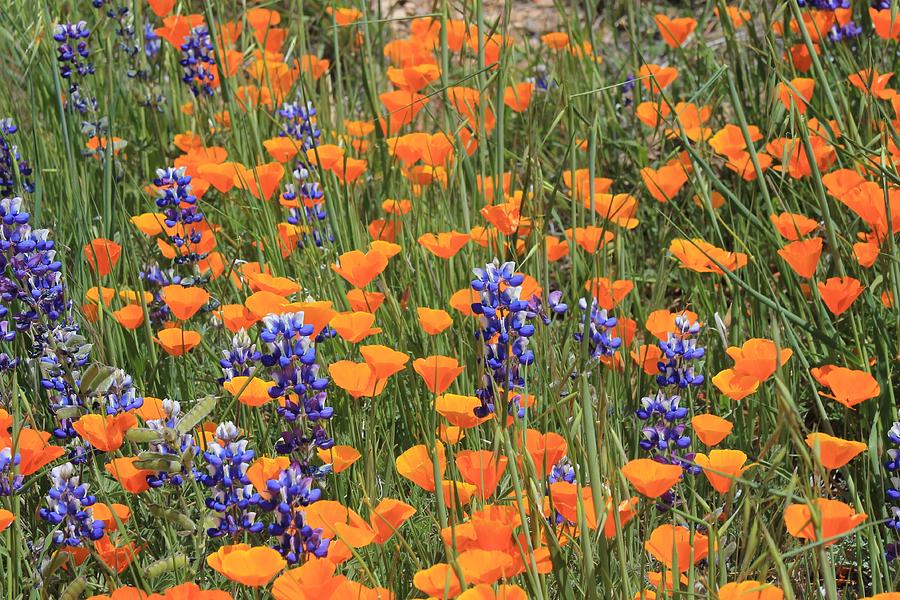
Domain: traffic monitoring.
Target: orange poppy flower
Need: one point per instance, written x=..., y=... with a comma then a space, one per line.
x=387, y=517
x=758, y=358
x=735, y=385
x=729, y=141
x=722, y=467
x=591, y=238
x=830, y=518
x=483, y=591
x=873, y=83
x=556, y=248
x=647, y=356
x=675, y=31
x=609, y=293
x=839, y=293
x=176, y=341
x=793, y=226
x=131, y=478
x=798, y=93
x=177, y=27
x=357, y=379
x=656, y=78
x=438, y=581
x=6, y=519
x=433, y=321
x=184, y=302
x=249, y=391
x=802, y=256
x=262, y=18
x=31, y=444
x=750, y=590
x=161, y=8
x=359, y=268
x=383, y=360
x=261, y=181
x=250, y=566
x=702, y=257
x=544, y=450
x=627, y=509
x=662, y=322
x=413, y=78
x=887, y=26
x=481, y=469
x=105, y=432
x=445, y=244
x=690, y=120
x=664, y=183
x=463, y=299
x=402, y=107
x=711, y=429
x=651, y=114
x=263, y=469
x=362, y=301
x=651, y=478
x=416, y=465
x=438, y=372
x=130, y=316
x=354, y=326
x=339, y=457
x=459, y=410
x=833, y=452
x=556, y=40
x=518, y=97
x=848, y=386
x=564, y=497
x=282, y=149
x=102, y=255
x=151, y=409
x=668, y=540
x=313, y=579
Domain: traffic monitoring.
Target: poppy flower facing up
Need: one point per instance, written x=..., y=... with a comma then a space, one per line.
x=250, y=566
x=651, y=478
x=722, y=467
x=839, y=293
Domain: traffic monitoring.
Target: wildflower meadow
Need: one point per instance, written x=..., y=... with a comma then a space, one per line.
x=488, y=299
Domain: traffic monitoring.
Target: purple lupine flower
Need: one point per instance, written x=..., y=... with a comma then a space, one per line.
x=10, y=481
x=75, y=66
x=182, y=447
x=13, y=167
x=505, y=326
x=678, y=353
x=286, y=497
x=198, y=60
x=298, y=121
x=240, y=359
x=230, y=489
x=892, y=466
x=596, y=324
x=68, y=508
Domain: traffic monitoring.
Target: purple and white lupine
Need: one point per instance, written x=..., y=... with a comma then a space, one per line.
x=75, y=65
x=505, y=326
x=286, y=497
x=596, y=325
x=31, y=285
x=227, y=461
x=10, y=480
x=198, y=61
x=665, y=435
x=298, y=122
x=179, y=205
x=288, y=356
x=182, y=448
x=892, y=466
x=240, y=359
x=14, y=170
x=68, y=508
